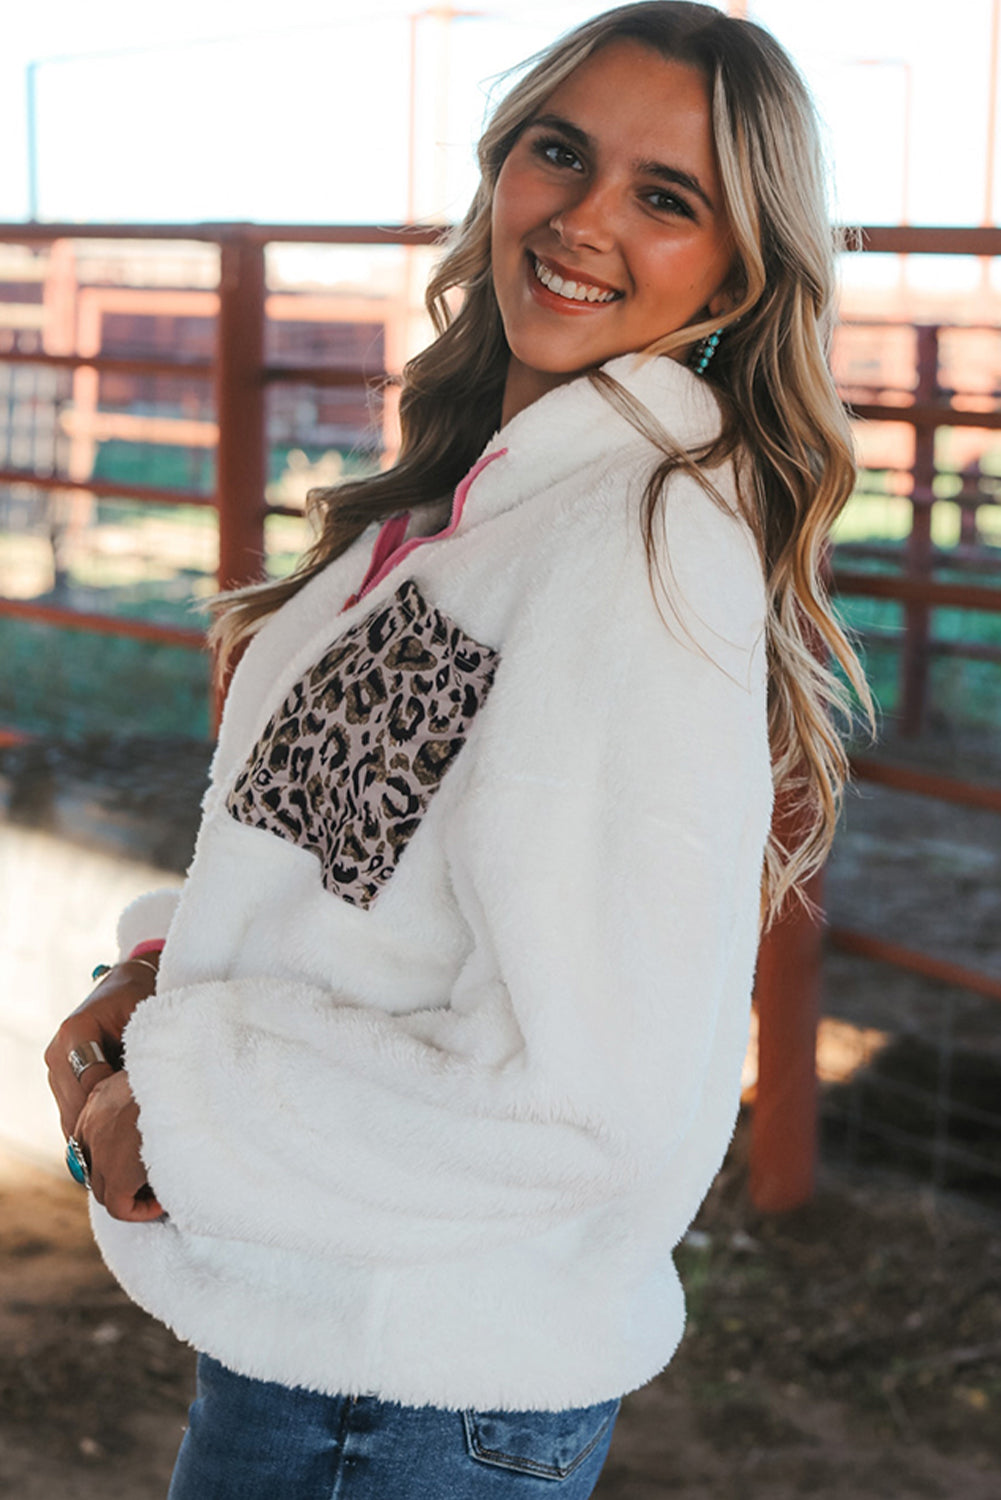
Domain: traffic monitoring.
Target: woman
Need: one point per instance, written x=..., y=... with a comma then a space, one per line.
x=449, y=1022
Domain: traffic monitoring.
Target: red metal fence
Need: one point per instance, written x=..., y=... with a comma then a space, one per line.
x=784, y=1147
x=784, y=1123
x=240, y=375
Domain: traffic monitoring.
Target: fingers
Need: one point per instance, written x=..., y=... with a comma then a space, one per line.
x=108, y=1134
x=71, y=1093
x=141, y=1210
x=132, y=1202
x=100, y=1020
x=118, y=1177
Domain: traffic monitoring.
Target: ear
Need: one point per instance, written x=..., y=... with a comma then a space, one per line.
x=721, y=302
x=729, y=293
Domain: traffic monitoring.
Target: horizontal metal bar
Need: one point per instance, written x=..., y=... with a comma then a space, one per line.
x=220, y=233
x=298, y=511
x=347, y=234
x=966, y=500
x=924, y=414
x=112, y=364
x=927, y=783
x=918, y=590
x=962, y=558
x=859, y=320
x=869, y=397
x=913, y=239
x=866, y=946
x=964, y=650
x=881, y=239
x=111, y=489
x=77, y=619
x=317, y=375
x=38, y=232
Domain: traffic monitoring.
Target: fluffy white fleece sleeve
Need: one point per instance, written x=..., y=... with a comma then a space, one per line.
x=147, y=917
x=606, y=856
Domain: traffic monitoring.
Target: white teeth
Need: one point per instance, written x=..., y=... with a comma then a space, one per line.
x=573, y=291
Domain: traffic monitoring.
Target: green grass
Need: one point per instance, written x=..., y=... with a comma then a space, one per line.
x=160, y=464
x=68, y=682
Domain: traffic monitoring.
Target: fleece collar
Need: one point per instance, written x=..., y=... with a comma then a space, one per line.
x=570, y=431
x=574, y=427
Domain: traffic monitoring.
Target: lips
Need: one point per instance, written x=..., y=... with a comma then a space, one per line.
x=571, y=288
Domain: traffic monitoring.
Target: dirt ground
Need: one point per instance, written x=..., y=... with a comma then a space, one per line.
x=852, y=1349
x=848, y=1351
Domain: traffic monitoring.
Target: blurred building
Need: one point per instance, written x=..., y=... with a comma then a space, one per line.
x=158, y=303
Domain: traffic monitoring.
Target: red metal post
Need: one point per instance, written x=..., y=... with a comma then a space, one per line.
x=917, y=628
x=240, y=404
x=783, y=1158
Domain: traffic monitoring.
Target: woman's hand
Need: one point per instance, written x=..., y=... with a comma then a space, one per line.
x=102, y=1018
x=107, y=1132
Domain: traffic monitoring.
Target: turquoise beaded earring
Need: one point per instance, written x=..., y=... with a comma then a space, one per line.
x=705, y=350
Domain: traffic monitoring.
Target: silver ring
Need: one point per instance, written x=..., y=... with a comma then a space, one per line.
x=83, y=1057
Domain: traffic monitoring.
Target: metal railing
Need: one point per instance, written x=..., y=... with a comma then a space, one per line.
x=784, y=1145
x=241, y=376
x=787, y=994
x=920, y=593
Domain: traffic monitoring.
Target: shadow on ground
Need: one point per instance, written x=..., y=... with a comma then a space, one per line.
x=852, y=1349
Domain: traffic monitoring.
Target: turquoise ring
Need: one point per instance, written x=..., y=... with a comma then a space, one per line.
x=77, y=1163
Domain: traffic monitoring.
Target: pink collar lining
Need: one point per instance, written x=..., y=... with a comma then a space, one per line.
x=390, y=547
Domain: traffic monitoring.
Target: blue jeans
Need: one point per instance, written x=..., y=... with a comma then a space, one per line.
x=252, y=1440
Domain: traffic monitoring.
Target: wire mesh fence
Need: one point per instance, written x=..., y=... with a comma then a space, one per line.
x=910, y=1067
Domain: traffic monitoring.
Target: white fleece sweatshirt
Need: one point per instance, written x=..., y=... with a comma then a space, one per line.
x=447, y=1043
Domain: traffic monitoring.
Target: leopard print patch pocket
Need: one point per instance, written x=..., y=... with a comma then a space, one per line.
x=347, y=766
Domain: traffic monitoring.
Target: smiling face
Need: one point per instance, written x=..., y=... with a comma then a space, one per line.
x=608, y=230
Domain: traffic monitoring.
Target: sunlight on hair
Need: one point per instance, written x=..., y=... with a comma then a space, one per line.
x=784, y=426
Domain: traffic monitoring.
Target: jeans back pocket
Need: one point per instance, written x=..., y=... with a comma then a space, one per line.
x=547, y=1444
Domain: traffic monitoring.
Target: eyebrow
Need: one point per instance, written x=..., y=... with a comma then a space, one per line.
x=673, y=175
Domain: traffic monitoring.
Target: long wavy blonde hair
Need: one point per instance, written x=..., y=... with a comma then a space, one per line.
x=783, y=423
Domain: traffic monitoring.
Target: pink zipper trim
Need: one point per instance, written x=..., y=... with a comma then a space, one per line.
x=390, y=549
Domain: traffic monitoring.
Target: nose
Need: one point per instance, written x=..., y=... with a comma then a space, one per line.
x=586, y=221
